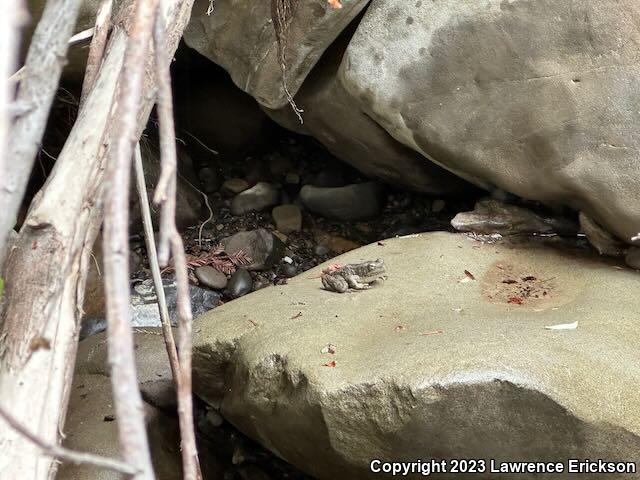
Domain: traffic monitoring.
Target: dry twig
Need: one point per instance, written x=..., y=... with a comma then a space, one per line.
x=98, y=44
x=127, y=399
x=171, y=242
x=169, y=341
x=282, y=12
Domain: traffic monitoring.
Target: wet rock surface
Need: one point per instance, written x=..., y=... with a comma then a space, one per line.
x=477, y=356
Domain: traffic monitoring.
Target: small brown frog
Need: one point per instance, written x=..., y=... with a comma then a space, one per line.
x=356, y=276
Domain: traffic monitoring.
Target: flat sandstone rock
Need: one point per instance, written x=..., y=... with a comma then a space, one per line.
x=435, y=362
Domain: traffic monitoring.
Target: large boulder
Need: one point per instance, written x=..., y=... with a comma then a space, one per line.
x=239, y=36
x=538, y=98
x=334, y=117
x=435, y=362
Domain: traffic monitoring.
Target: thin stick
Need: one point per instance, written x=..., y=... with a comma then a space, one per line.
x=66, y=454
x=128, y=402
x=170, y=241
x=98, y=45
x=168, y=154
x=169, y=341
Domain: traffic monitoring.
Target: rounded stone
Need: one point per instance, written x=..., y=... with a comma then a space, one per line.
x=256, y=199
x=352, y=202
x=288, y=218
x=234, y=186
x=239, y=284
x=211, y=277
x=632, y=258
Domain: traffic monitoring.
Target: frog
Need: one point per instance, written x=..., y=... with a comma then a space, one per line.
x=353, y=276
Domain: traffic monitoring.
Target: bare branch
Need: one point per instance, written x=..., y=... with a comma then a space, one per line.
x=45, y=60
x=128, y=402
x=166, y=195
x=44, y=296
x=191, y=465
x=167, y=141
x=98, y=44
x=66, y=454
x=169, y=341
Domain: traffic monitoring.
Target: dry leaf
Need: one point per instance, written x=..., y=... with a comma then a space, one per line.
x=335, y=4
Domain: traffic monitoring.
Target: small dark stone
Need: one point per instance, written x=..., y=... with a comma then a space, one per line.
x=234, y=186
x=239, y=284
x=260, y=283
x=210, y=277
x=256, y=199
x=290, y=270
x=288, y=218
x=353, y=202
x=633, y=257
x=260, y=245
x=329, y=178
x=210, y=179
x=321, y=250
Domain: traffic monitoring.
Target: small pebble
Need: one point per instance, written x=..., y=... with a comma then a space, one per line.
x=234, y=186
x=210, y=277
x=292, y=178
x=239, y=284
x=256, y=199
x=214, y=419
x=290, y=270
x=288, y=218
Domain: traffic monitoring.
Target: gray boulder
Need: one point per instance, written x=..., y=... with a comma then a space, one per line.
x=432, y=364
x=240, y=37
x=538, y=98
x=334, y=117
